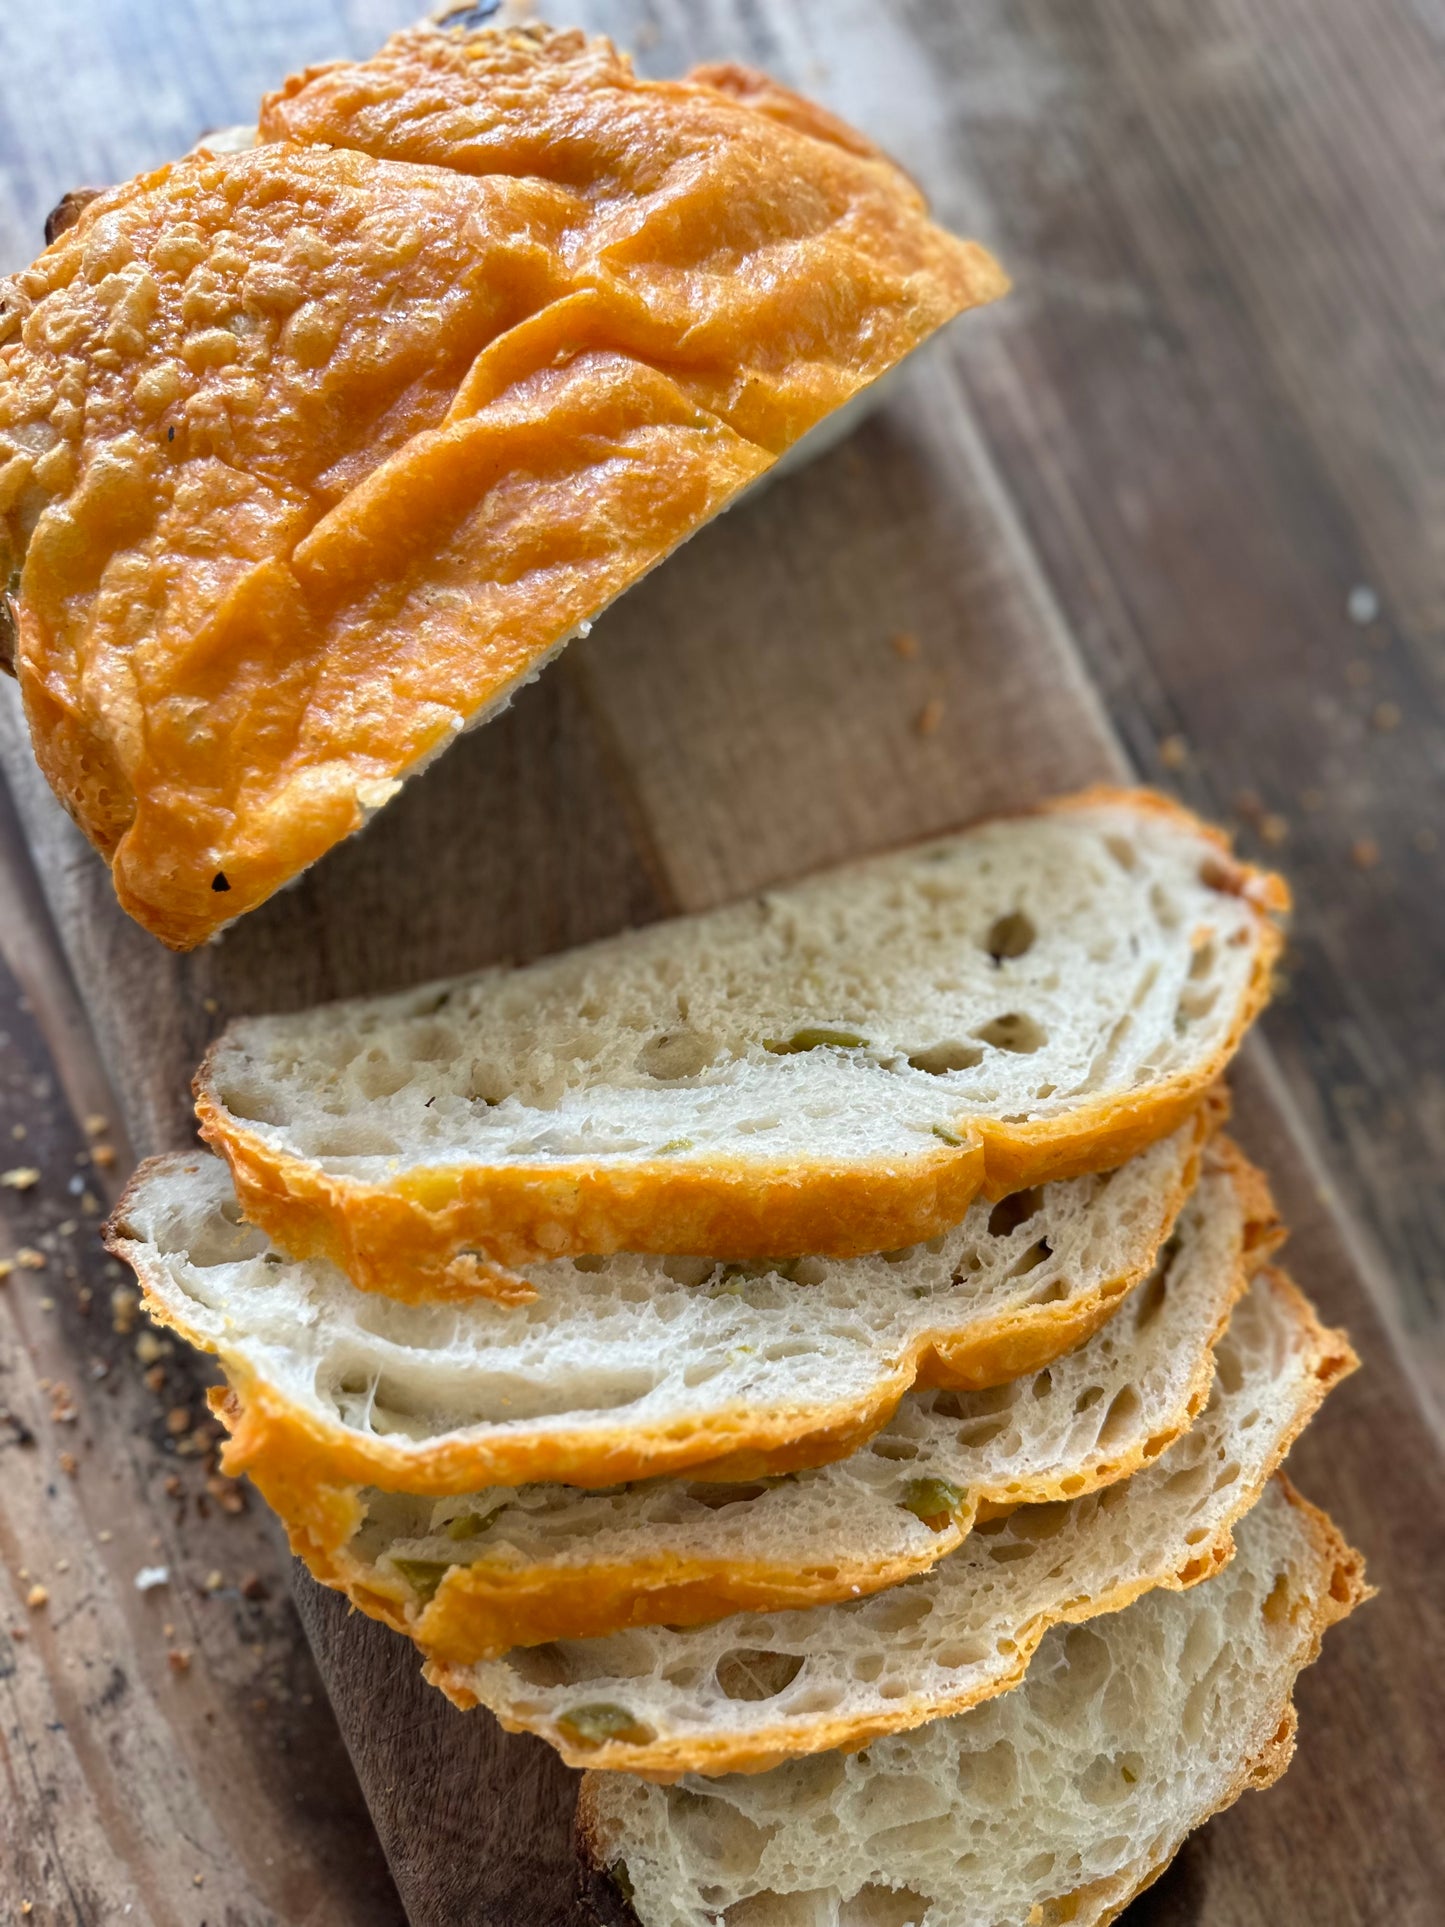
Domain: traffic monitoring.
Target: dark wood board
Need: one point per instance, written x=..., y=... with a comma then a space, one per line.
x=1125, y=508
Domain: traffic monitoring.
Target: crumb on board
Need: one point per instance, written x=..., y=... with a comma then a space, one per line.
x=1364, y=853
x=96, y=1124
x=29, y=1259
x=930, y=716
x=1173, y=753
x=23, y=1177
x=1362, y=604
x=904, y=643
x=37, y=1597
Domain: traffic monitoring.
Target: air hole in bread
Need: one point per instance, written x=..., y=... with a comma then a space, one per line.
x=675, y=1054
x=772, y=1910
x=1009, y=936
x=486, y=1085
x=1193, y=1007
x=1031, y=1259
x=939, y=1059
x=380, y=1076
x=716, y=1497
x=541, y=1665
x=875, y=1906
x=1010, y=1212
x=753, y=1673
x=1119, y=1419
x=1015, y=1032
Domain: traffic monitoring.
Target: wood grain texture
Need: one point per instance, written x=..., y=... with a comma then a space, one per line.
x=167, y=1754
x=1155, y=473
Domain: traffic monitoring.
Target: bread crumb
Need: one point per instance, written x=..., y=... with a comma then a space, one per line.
x=253, y=1586
x=105, y=1536
x=178, y=1420
x=37, y=1597
x=1364, y=853
x=209, y=1006
x=17, y=1131
x=103, y=1155
x=124, y=1306
x=905, y=644
x=148, y=1348
x=1274, y=828
x=97, y=1124
x=24, y=1177
x=179, y=1661
x=930, y=716
x=7, y=1265
x=212, y=1582
x=154, y=1379
x=68, y=1464
x=226, y=1493
x=1386, y=716
x=29, y=1259
x=150, y=1577
x=1363, y=604
x=1173, y=753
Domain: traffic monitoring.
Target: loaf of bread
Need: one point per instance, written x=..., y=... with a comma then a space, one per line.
x=470, y=1576
x=838, y=1067
x=741, y=1694
x=1056, y=1803
x=312, y=453
x=625, y=1367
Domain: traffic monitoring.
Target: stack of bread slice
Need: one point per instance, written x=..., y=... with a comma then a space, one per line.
x=820, y=1364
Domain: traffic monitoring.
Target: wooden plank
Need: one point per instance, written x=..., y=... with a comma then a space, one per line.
x=1214, y=397
x=743, y=716
x=167, y=1753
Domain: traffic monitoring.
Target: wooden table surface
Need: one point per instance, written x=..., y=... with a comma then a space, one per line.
x=1175, y=506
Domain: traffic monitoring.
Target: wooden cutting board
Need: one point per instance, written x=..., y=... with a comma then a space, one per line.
x=870, y=653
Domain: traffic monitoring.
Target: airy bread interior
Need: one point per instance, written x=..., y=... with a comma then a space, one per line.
x=1015, y=972
x=1055, y=1803
x=743, y=1693
x=471, y=1575
x=630, y=1365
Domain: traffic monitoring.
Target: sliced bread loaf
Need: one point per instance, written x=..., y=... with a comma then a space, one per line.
x=1056, y=1803
x=746, y=1692
x=490, y=325
x=834, y=1068
x=470, y=1576
x=625, y=1367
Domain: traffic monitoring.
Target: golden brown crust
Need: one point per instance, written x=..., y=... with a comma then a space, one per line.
x=313, y=453
x=1345, y=1590
x=399, y=1238
x=291, y=1456
x=481, y=1609
x=666, y=1760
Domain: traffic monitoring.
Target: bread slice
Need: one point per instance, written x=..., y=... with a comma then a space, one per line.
x=627, y=1367
x=313, y=453
x=1058, y=1802
x=834, y=1068
x=743, y=1693
x=472, y=1575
